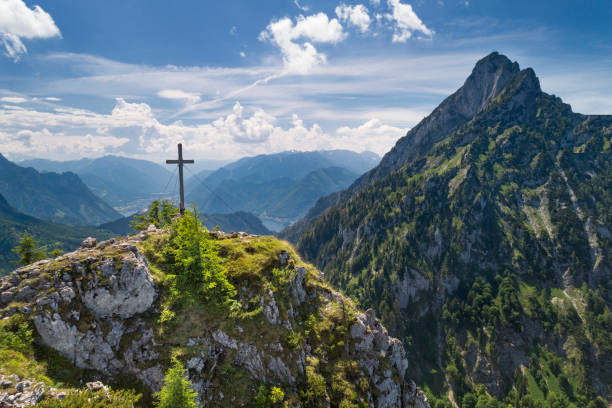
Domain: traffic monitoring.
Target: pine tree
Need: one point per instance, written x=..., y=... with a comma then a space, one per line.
x=28, y=250
x=177, y=391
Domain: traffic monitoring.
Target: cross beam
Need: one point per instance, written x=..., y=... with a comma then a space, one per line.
x=180, y=163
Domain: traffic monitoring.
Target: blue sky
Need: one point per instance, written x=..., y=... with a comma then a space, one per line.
x=236, y=78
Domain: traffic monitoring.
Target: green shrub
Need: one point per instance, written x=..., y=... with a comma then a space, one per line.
x=28, y=250
x=195, y=264
x=16, y=334
x=176, y=392
x=160, y=217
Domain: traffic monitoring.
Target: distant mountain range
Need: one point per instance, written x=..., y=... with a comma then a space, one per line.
x=51, y=235
x=238, y=221
x=279, y=188
x=52, y=196
x=126, y=184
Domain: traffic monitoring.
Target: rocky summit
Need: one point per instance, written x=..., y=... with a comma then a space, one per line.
x=483, y=241
x=97, y=314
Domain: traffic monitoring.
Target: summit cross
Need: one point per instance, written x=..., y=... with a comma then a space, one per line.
x=180, y=163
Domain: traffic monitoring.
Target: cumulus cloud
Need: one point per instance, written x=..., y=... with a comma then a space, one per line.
x=18, y=22
x=375, y=2
x=295, y=40
x=354, y=15
x=177, y=94
x=255, y=129
x=373, y=135
x=133, y=129
x=405, y=21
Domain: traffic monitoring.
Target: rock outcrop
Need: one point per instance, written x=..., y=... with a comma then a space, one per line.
x=99, y=308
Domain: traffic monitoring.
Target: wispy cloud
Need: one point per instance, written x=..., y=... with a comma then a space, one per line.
x=176, y=94
x=13, y=99
x=298, y=5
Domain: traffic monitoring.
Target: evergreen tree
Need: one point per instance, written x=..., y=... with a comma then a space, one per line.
x=28, y=250
x=177, y=391
x=160, y=213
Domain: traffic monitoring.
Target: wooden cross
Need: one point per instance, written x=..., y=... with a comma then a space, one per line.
x=180, y=163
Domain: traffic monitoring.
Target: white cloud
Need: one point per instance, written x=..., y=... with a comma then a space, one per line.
x=243, y=54
x=52, y=99
x=133, y=129
x=233, y=30
x=188, y=98
x=18, y=22
x=13, y=99
x=373, y=135
x=375, y=2
x=255, y=129
x=44, y=143
x=300, y=58
x=406, y=21
x=354, y=15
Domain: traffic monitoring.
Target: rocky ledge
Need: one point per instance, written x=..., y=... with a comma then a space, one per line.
x=99, y=307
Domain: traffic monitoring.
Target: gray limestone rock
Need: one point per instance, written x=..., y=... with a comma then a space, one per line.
x=135, y=291
x=270, y=309
x=6, y=296
x=89, y=242
x=297, y=285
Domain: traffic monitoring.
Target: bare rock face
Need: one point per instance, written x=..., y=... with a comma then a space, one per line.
x=129, y=291
x=80, y=302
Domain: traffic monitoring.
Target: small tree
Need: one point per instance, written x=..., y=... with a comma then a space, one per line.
x=160, y=214
x=197, y=271
x=28, y=250
x=177, y=391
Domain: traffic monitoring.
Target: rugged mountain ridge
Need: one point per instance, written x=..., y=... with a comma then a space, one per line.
x=55, y=197
x=487, y=228
x=100, y=309
x=125, y=183
x=280, y=187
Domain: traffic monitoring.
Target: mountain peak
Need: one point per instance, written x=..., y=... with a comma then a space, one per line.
x=490, y=75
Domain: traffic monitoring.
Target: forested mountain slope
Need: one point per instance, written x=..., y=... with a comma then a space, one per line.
x=484, y=241
x=281, y=186
x=49, y=235
x=52, y=196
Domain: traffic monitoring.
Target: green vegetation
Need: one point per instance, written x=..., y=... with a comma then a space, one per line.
x=160, y=213
x=90, y=399
x=28, y=251
x=176, y=392
x=48, y=234
x=269, y=397
x=476, y=245
x=212, y=280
